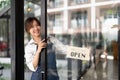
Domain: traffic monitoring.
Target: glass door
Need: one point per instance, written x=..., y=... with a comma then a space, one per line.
x=64, y=36
x=90, y=26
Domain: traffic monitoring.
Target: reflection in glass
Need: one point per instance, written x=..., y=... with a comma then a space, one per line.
x=76, y=2
x=79, y=19
x=54, y=3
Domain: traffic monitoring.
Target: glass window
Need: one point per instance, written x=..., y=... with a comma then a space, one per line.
x=4, y=3
x=55, y=3
x=77, y=2
x=79, y=19
x=55, y=22
x=5, y=61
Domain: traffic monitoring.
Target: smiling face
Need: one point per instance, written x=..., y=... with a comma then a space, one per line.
x=35, y=29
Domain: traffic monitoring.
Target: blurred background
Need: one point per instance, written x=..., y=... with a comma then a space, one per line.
x=81, y=23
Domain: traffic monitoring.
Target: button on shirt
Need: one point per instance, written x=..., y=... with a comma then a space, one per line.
x=30, y=50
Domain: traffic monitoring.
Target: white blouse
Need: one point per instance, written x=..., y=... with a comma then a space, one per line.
x=30, y=50
x=31, y=47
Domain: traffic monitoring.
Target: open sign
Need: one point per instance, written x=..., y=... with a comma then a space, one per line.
x=78, y=53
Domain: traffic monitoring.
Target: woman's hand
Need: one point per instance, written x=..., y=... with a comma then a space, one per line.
x=41, y=44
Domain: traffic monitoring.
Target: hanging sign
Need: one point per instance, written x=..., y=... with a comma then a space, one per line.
x=78, y=53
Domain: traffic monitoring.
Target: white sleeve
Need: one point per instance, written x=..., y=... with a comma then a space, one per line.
x=59, y=46
x=29, y=55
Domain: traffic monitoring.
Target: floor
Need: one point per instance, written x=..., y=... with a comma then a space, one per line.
x=103, y=71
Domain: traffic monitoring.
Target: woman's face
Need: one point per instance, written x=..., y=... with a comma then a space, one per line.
x=35, y=30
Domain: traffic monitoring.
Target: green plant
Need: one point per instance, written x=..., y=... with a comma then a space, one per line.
x=1, y=78
x=6, y=65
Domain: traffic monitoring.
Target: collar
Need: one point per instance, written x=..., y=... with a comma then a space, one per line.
x=32, y=42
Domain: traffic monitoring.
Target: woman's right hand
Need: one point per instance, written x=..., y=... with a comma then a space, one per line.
x=41, y=44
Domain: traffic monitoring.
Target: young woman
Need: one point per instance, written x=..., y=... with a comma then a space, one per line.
x=33, y=51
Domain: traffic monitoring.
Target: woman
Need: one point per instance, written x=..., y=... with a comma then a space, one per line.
x=33, y=51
